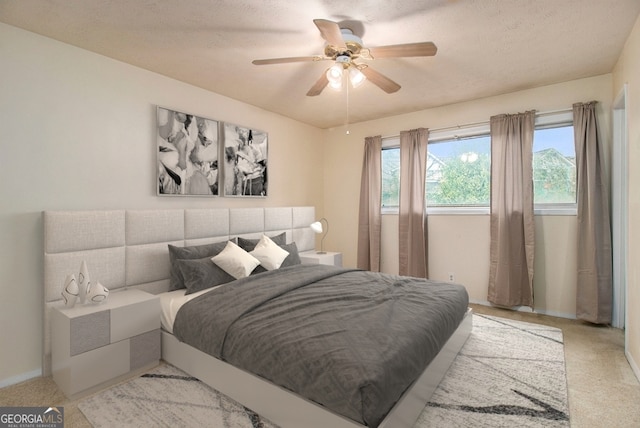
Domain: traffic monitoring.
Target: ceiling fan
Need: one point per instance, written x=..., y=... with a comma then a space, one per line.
x=344, y=48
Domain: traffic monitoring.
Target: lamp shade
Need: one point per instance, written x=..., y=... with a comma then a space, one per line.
x=316, y=226
x=334, y=76
x=356, y=77
x=334, y=73
x=337, y=85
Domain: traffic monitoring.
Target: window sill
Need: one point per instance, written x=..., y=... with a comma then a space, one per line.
x=458, y=211
x=555, y=211
x=538, y=211
x=442, y=211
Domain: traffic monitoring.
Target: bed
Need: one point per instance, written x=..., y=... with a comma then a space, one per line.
x=130, y=249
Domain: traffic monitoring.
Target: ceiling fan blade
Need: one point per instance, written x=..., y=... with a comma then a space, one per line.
x=286, y=60
x=380, y=80
x=330, y=31
x=320, y=84
x=407, y=50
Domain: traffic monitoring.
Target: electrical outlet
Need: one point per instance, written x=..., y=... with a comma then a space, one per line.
x=452, y=278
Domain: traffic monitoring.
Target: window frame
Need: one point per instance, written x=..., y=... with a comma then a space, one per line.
x=555, y=120
x=459, y=133
x=388, y=143
x=542, y=120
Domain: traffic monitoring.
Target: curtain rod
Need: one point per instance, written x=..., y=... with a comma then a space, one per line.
x=474, y=124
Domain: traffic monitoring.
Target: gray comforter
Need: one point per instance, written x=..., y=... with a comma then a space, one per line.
x=350, y=340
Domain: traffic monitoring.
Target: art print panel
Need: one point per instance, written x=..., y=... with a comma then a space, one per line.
x=188, y=152
x=245, y=161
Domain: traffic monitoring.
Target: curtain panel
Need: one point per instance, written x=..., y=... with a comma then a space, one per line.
x=512, y=223
x=594, y=299
x=412, y=219
x=369, y=219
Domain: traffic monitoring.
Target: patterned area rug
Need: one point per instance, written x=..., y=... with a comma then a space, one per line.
x=167, y=397
x=509, y=373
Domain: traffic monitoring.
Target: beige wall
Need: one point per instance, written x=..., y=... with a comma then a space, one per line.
x=628, y=71
x=460, y=244
x=78, y=133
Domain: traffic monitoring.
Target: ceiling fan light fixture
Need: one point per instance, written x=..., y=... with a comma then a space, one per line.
x=334, y=72
x=335, y=85
x=344, y=46
x=356, y=77
x=334, y=76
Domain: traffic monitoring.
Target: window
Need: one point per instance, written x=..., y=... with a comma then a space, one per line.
x=459, y=172
x=390, y=162
x=554, y=166
x=459, y=168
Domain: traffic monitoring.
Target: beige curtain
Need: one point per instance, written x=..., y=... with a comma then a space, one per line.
x=370, y=221
x=412, y=220
x=512, y=226
x=594, y=288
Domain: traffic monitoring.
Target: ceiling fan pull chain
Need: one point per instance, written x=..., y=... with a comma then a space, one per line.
x=347, y=85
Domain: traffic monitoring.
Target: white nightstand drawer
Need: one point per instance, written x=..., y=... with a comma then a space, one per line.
x=131, y=320
x=100, y=365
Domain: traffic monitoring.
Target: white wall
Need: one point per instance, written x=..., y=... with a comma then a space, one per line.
x=460, y=244
x=628, y=71
x=78, y=133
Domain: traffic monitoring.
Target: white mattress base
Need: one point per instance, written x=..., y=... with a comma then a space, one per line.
x=292, y=411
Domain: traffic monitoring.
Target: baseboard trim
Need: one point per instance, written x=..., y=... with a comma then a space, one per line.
x=632, y=363
x=528, y=310
x=20, y=378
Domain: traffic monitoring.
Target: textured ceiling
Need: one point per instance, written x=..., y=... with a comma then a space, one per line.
x=485, y=47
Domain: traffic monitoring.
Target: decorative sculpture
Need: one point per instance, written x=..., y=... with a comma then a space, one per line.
x=70, y=291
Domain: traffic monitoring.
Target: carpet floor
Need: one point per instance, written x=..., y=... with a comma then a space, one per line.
x=509, y=373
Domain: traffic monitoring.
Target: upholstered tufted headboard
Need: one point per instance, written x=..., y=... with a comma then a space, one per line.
x=128, y=248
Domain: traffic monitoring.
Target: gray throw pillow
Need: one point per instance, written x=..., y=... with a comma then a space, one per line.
x=200, y=274
x=176, y=281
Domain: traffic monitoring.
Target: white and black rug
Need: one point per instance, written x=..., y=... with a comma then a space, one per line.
x=167, y=397
x=509, y=373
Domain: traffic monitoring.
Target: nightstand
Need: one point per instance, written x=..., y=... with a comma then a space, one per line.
x=328, y=258
x=97, y=345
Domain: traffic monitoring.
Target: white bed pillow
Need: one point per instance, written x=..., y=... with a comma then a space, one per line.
x=235, y=261
x=270, y=254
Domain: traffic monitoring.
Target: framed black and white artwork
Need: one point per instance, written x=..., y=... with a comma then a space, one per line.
x=245, y=161
x=188, y=150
